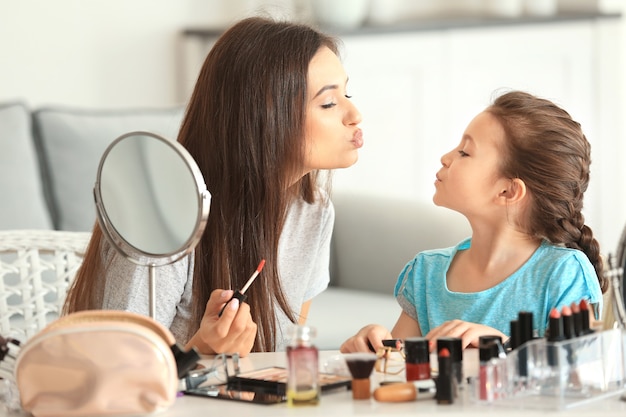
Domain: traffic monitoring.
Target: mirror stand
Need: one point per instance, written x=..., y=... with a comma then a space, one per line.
x=152, y=205
x=152, y=290
x=616, y=279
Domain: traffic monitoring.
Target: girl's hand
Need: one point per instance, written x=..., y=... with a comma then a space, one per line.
x=233, y=332
x=368, y=339
x=468, y=332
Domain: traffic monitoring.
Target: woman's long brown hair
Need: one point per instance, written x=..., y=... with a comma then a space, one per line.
x=244, y=126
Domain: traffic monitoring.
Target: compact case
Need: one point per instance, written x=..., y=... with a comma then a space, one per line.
x=98, y=363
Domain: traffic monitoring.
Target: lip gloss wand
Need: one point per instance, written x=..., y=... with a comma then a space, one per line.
x=241, y=294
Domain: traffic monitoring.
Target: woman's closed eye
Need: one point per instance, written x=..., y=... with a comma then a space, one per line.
x=463, y=153
x=333, y=104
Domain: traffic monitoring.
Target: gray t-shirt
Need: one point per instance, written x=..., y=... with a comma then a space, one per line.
x=304, y=256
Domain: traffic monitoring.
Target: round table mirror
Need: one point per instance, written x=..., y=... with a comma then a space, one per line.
x=151, y=201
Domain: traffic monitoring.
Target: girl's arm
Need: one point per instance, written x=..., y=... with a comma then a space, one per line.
x=406, y=326
x=371, y=336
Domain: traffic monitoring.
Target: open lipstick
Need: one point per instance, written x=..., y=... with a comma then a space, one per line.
x=584, y=316
x=445, y=379
x=568, y=322
x=555, y=334
x=241, y=294
x=578, y=319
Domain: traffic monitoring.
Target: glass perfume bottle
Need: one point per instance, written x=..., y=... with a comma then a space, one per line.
x=302, y=368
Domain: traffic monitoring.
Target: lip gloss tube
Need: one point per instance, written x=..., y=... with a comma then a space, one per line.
x=417, y=358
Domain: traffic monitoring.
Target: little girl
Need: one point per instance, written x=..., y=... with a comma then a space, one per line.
x=518, y=176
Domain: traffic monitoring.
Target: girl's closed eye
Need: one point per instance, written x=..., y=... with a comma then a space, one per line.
x=463, y=153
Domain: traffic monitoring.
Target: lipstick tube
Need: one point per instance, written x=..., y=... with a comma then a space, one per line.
x=445, y=379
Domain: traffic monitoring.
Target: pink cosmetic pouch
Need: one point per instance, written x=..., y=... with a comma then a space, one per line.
x=97, y=363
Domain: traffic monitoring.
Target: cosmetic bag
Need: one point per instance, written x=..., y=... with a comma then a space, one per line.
x=97, y=363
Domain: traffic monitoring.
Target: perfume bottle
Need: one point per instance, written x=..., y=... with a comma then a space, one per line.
x=302, y=368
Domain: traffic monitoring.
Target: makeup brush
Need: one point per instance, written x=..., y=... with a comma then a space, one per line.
x=360, y=365
x=241, y=294
x=9, y=350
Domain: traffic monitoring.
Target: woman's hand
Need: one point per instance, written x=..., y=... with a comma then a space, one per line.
x=368, y=339
x=468, y=332
x=233, y=332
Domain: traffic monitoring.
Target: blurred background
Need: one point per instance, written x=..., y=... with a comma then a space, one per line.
x=419, y=71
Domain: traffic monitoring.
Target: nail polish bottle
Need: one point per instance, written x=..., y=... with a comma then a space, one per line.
x=417, y=358
x=302, y=368
x=487, y=373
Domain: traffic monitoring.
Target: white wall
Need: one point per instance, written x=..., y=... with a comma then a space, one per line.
x=100, y=53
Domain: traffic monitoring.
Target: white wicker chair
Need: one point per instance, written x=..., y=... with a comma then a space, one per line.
x=36, y=269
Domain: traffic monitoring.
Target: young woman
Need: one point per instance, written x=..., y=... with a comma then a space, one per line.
x=518, y=175
x=269, y=110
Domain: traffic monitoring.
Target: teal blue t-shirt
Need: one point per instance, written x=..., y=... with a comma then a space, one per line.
x=554, y=276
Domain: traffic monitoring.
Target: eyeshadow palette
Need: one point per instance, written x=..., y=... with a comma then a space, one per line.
x=264, y=386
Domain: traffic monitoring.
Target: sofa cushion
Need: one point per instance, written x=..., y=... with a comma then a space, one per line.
x=23, y=203
x=374, y=238
x=72, y=142
x=339, y=313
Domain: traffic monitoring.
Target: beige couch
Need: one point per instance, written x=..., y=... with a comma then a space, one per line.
x=48, y=162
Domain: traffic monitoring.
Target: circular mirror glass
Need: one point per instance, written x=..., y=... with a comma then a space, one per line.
x=151, y=200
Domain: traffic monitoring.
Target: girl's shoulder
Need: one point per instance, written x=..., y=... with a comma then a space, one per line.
x=440, y=255
x=558, y=254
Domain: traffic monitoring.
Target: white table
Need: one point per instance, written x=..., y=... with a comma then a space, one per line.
x=341, y=403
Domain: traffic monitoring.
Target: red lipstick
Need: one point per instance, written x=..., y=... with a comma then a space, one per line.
x=568, y=322
x=584, y=316
x=445, y=393
x=555, y=334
